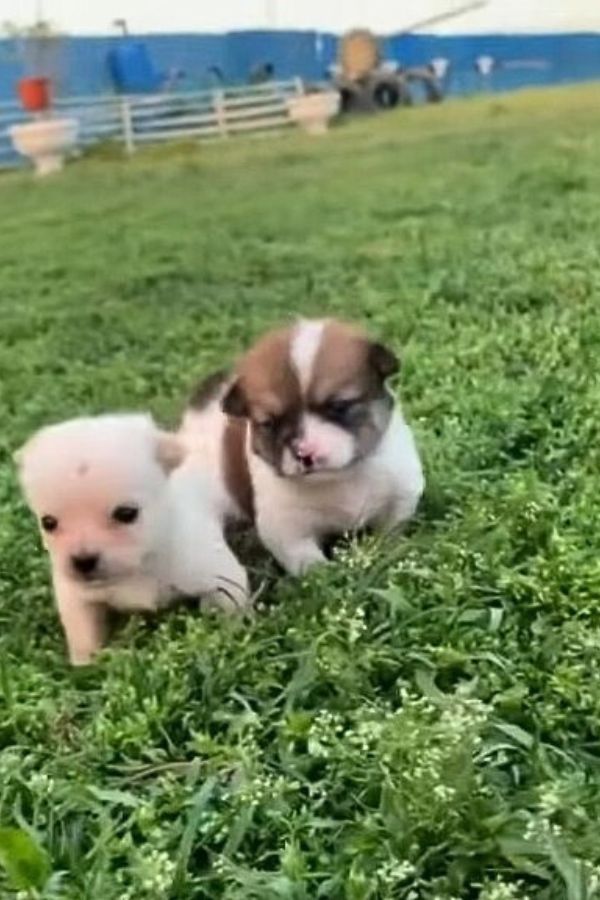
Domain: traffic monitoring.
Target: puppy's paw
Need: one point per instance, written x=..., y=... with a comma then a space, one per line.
x=84, y=625
x=298, y=560
x=80, y=660
x=229, y=600
x=230, y=594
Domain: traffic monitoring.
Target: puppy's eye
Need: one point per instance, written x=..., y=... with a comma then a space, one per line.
x=49, y=523
x=267, y=425
x=125, y=515
x=339, y=409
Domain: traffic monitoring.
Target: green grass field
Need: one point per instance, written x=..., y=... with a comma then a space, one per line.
x=421, y=719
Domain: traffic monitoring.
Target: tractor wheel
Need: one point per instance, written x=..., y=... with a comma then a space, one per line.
x=405, y=96
x=348, y=101
x=386, y=94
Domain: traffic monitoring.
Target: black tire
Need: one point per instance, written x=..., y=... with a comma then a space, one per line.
x=386, y=95
x=348, y=100
x=406, y=98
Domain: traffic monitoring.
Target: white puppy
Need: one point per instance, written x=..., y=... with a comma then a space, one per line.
x=307, y=440
x=128, y=522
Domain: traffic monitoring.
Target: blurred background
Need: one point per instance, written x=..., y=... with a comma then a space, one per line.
x=525, y=41
x=134, y=72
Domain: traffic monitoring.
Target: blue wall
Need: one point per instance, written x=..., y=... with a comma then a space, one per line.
x=523, y=60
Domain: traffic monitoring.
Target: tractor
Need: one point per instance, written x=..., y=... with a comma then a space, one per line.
x=367, y=82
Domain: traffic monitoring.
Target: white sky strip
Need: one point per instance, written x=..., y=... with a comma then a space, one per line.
x=384, y=16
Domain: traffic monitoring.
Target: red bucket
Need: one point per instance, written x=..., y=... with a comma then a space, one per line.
x=34, y=94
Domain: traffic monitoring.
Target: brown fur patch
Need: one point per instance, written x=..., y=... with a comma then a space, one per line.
x=266, y=376
x=236, y=472
x=267, y=390
x=341, y=363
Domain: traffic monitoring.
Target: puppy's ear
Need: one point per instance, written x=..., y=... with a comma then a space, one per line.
x=170, y=452
x=234, y=403
x=383, y=360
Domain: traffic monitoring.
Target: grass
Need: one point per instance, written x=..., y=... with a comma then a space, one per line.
x=421, y=719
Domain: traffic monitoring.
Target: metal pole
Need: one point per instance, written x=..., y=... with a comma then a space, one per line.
x=442, y=17
x=221, y=112
x=127, y=121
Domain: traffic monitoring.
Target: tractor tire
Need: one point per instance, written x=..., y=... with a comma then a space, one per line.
x=347, y=100
x=357, y=96
x=386, y=94
x=406, y=98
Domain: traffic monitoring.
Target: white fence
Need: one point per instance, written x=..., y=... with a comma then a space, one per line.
x=137, y=120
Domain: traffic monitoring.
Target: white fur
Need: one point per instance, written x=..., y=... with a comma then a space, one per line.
x=294, y=514
x=201, y=434
x=306, y=340
x=78, y=472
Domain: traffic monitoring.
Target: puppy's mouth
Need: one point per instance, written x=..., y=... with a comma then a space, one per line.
x=101, y=577
x=111, y=573
x=95, y=579
x=316, y=473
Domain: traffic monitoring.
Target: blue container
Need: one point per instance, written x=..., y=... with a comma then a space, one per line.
x=131, y=68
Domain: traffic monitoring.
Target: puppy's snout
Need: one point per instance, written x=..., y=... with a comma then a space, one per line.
x=305, y=452
x=85, y=564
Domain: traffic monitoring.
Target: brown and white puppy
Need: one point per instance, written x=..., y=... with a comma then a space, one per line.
x=305, y=438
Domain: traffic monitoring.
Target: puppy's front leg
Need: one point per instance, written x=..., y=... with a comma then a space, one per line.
x=84, y=624
x=295, y=551
x=204, y=565
x=399, y=511
x=229, y=590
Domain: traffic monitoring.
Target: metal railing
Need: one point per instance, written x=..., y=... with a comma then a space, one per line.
x=138, y=120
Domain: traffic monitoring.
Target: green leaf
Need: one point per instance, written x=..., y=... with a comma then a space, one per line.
x=394, y=598
x=426, y=683
x=516, y=733
x=496, y=616
x=293, y=864
x=526, y=855
x=238, y=830
x=114, y=797
x=24, y=861
x=203, y=798
x=572, y=870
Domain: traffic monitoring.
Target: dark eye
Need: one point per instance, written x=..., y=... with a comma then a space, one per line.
x=49, y=523
x=267, y=425
x=125, y=515
x=338, y=409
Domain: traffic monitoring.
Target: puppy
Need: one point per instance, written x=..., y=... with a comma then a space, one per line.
x=127, y=521
x=305, y=439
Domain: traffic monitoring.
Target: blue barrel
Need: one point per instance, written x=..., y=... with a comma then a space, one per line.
x=131, y=68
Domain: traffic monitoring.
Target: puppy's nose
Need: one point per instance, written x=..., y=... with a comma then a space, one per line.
x=306, y=460
x=305, y=453
x=85, y=563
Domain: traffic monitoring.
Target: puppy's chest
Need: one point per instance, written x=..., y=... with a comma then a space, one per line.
x=338, y=505
x=143, y=594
